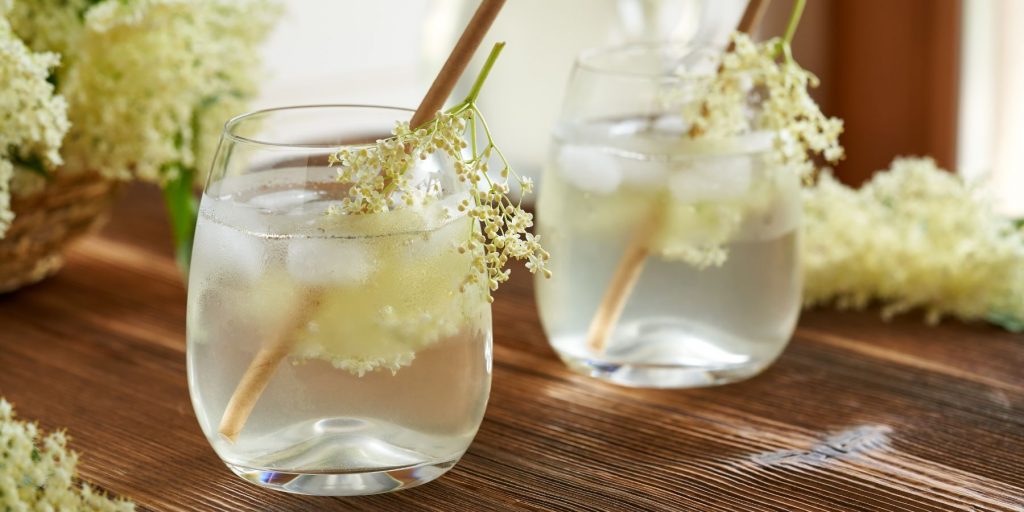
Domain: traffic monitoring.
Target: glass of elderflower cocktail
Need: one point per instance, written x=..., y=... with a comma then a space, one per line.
x=713, y=285
x=339, y=321
x=373, y=353
x=672, y=197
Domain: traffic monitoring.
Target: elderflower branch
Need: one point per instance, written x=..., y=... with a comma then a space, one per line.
x=760, y=88
x=40, y=472
x=913, y=237
x=33, y=117
x=525, y=184
x=786, y=109
x=377, y=176
x=490, y=139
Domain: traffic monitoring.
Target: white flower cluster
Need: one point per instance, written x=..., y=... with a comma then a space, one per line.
x=38, y=473
x=757, y=89
x=51, y=26
x=378, y=181
x=783, y=105
x=697, y=234
x=145, y=84
x=33, y=120
x=913, y=237
x=154, y=80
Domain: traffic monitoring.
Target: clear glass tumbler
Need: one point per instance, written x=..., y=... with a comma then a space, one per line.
x=329, y=353
x=676, y=256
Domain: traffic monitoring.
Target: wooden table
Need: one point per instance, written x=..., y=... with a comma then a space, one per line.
x=857, y=414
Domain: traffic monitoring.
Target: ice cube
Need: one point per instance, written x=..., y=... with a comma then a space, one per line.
x=589, y=169
x=649, y=174
x=284, y=200
x=327, y=261
x=712, y=179
x=227, y=241
x=670, y=125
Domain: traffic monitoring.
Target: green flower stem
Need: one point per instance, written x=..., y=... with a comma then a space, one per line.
x=482, y=77
x=490, y=140
x=472, y=137
x=783, y=46
x=183, y=211
x=794, y=20
x=31, y=163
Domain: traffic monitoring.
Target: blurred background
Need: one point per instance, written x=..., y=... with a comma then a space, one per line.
x=910, y=77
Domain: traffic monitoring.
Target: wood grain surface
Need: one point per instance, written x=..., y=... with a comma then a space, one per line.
x=857, y=414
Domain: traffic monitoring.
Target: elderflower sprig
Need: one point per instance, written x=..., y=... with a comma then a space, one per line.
x=379, y=180
x=757, y=88
x=52, y=26
x=148, y=85
x=33, y=119
x=39, y=473
x=914, y=236
x=154, y=80
x=767, y=73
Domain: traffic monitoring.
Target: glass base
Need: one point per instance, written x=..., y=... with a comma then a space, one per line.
x=639, y=375
x=354, y=483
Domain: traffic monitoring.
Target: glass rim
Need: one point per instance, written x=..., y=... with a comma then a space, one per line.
x=587, y=60
x=232, y=124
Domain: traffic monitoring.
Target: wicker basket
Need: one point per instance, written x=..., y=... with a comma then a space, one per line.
x=70, y=205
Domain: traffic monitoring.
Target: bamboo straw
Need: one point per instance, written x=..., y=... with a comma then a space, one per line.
x=752, y=17
x=262, y=368
x=266, y=361
x=456, y=64
x=631, y=265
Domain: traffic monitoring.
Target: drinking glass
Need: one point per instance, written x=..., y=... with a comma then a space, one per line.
x=676, y=261
x=332, y=353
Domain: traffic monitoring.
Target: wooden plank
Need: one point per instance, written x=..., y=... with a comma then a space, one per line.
x=858, y=414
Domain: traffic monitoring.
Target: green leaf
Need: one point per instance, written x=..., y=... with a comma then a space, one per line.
x=1007, y=321
x=32, y=163
x=183, y=210
x=182, y=206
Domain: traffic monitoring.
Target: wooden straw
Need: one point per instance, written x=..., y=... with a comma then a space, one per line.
x=266, y=361
x=752, y=17
x=631, y=265
x=262, y=368
x=456, y=64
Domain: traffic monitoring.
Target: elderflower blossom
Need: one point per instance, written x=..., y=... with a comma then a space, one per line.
x=51, y=26
x=913, y=237
x=38, y=473
x=758, y=89
x=153, y=80
x=378, y=180
x=33, y=120
x=753, y=71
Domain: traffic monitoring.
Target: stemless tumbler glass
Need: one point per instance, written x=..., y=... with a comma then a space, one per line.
x=332, y=353
x=676, y=255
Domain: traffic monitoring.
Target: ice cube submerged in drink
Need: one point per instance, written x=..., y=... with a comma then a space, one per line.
x=718, y=291
x=384, y=366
